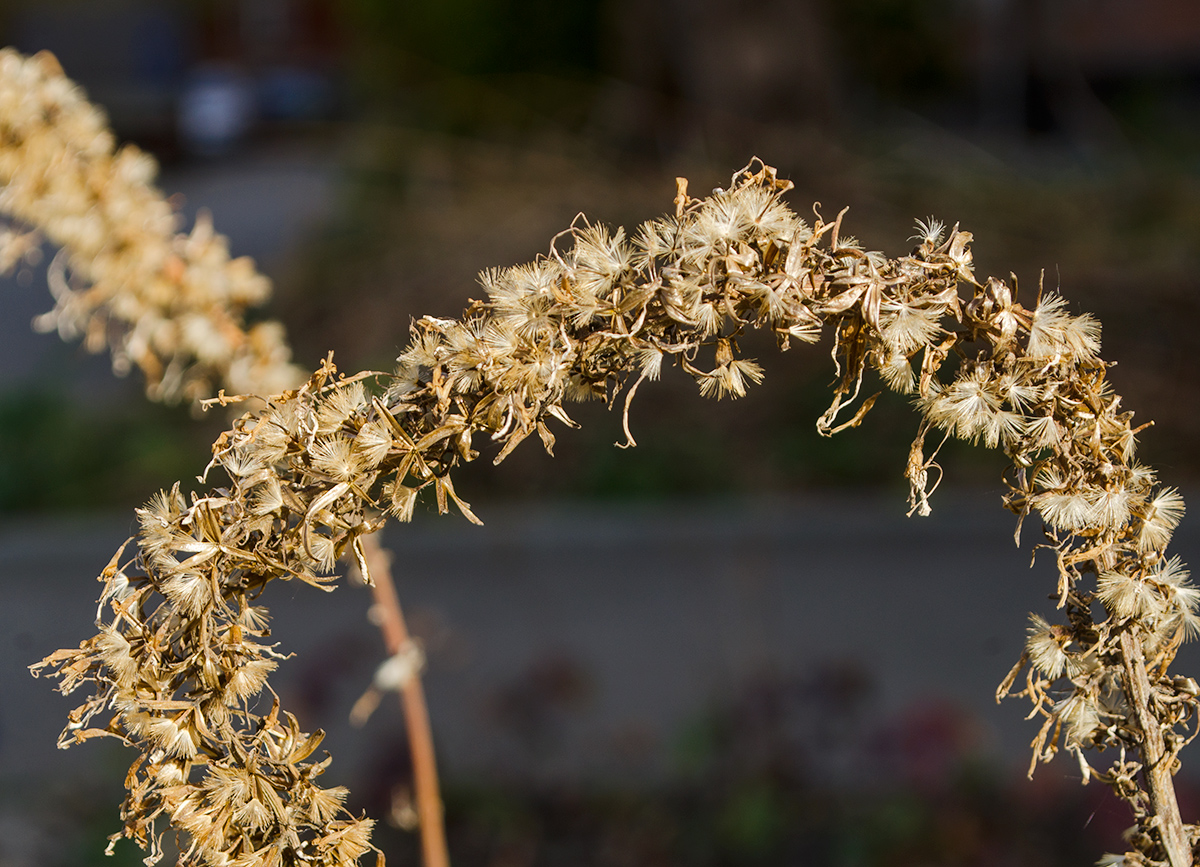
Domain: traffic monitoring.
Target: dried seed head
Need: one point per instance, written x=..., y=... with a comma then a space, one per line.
x=175, y=739
x=1043, y=432
x=971, y=408
x=249, y=678
x=906, y=329
x=929, y=232
x=1162, y=515
x=373, y=442
x=898, y=374
x=337, y=457
x=1068, y=510
x=115, y=651
x=342, y=402
x=1129, y=596
x=1045, y=647
x=1080, y=717
x=326, y=804
x=190, y=592
x=1056, y=333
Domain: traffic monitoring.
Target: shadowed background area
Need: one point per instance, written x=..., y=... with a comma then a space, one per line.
x=692, y=651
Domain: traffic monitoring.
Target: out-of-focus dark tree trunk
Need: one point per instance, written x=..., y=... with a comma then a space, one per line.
x=694, y=65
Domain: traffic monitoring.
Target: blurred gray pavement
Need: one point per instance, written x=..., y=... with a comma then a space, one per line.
x=264, y=198
x=648, y=614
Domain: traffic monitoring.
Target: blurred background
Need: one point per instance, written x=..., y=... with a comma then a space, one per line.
x=727, y=645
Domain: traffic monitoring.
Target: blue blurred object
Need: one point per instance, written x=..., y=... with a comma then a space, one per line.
x=216, y=110
x=295, y=93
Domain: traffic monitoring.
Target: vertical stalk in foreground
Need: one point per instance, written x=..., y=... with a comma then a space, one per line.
x=412, y=699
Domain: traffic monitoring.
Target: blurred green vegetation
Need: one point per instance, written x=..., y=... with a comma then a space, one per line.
x=484, y=37
x=61, y=456
x=474, y=66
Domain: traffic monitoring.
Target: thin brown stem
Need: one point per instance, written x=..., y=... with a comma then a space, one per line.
x=1157, y=765
x=412, y=700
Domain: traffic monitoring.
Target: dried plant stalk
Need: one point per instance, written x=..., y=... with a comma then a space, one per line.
x=170, y=303
x=177, y=667
x=404, y=654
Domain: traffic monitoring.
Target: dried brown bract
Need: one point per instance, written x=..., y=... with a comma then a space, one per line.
x=179, y=664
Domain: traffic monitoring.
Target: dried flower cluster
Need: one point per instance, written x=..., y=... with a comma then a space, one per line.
x=170, y=303
x=178, y=666
x=180, y=663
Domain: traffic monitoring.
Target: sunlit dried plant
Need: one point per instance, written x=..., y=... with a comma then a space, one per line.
x=172, y=303
x=125, y=278
x=180, y=663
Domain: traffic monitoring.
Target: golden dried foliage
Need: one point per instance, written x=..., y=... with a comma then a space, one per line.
x=125, y=278
x=179, y=665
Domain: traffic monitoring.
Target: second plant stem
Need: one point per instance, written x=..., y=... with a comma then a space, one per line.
x=412, y=699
